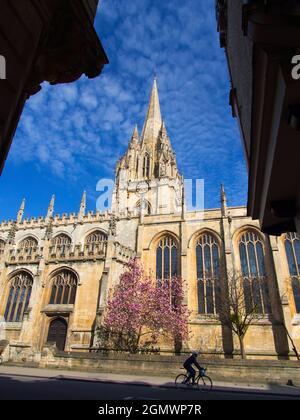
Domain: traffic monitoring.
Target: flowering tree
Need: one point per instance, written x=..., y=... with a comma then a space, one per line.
x=138, y=308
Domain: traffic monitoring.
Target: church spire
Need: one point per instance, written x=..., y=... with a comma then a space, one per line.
x=21, y=211
x=153, y=121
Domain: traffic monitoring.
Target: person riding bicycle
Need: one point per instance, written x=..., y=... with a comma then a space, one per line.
x=188, y=365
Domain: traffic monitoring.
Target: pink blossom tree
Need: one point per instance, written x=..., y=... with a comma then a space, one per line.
x=138, y=307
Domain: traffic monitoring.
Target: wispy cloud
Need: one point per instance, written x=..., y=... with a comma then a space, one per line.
x=77, y=132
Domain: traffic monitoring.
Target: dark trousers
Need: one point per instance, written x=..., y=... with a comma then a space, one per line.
x=191, y=374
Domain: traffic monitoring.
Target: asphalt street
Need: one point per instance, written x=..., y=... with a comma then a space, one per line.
x=36, y=388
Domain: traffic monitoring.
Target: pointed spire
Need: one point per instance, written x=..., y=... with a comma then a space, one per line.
x=223, y=201
x=153, y=121
x=51, y=208
x=135, y=136
x=21, y=211
x=82, y=206
x=164, y=132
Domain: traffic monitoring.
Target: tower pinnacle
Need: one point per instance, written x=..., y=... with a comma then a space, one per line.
x=223, y=201
x=21, y=211
x=82, y=206
x=135, y=136
x=51, y=207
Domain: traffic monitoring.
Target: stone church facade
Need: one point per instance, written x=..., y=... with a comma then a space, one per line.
x=55, y=271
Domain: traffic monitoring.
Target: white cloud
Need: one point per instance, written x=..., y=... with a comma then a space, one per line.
x=78, y=131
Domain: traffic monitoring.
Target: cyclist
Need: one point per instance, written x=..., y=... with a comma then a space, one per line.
x=188, y=365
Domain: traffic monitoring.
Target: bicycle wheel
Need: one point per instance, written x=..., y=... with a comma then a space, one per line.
x=204, y=383
x=180, y=379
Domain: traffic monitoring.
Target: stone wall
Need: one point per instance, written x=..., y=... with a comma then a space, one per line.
x=249, y=371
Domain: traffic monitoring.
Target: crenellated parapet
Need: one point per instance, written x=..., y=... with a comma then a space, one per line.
x=24, y=255
x=123, y=253
x=77, y=252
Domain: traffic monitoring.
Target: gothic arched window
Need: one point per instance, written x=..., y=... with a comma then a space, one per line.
x=61, y=239
x=18, y=298
x=146, y=166
x=61, y=243
x=96, y=240
x=28, y=242
x=166, y=259
x=143, y=205
x=28, y=245
x=254, y=273
x=208, y=274
x=64, y=286
x=96, y=237
x=292, y=248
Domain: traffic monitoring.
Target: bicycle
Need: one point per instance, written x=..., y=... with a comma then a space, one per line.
x=202, y=381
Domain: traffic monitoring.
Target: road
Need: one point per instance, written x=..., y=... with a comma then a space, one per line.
x=37, y=388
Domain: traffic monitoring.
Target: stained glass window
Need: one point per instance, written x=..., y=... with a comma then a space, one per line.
x=19, y=297
x=208, y=273
x=64, y=286
x=166, y=260
x=253, y=270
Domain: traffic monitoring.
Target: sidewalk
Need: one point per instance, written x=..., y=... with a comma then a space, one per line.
x=136, y=380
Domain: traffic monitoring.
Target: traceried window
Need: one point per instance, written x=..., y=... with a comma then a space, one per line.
x=208, y=274
x=146, y=166
x=19, y=297
x=61, y=243
x=254, y=273
x=61, y=240
x=28, y=245
x=96, y=241
x=166, y=260
x=29, y=242
x=96, y=237
x=292, y=248
x=64, y=286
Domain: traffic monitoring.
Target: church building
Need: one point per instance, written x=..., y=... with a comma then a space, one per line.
x=55, y=271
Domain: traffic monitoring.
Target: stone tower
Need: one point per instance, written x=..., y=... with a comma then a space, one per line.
x=147, y=178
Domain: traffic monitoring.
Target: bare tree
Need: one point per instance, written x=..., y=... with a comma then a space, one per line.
x=239, y=305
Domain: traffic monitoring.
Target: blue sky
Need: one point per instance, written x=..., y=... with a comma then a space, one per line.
x=70, y=136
